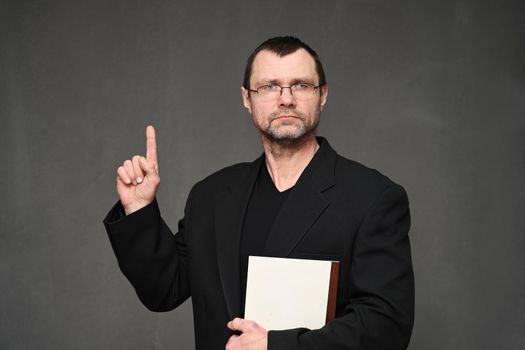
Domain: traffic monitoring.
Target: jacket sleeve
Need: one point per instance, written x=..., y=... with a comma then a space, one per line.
x=380, y=314
x=150, y=256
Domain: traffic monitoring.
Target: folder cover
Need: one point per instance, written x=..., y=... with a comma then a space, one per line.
x=284, y=293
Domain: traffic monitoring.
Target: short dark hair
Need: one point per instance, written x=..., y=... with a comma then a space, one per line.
x=282, y=46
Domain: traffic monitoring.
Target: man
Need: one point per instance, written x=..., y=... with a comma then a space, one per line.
x=298, y=200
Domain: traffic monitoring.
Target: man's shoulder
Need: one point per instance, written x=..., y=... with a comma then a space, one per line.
x=350, y=173
x=362, y=178
x=230, y=174
x=359, y=171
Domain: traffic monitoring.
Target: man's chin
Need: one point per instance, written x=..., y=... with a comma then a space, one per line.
x=286, y=138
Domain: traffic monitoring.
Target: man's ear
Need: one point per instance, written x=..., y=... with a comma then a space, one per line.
x=324, y=95
x=246, y=99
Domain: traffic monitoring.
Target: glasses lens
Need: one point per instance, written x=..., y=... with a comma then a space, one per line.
x=303, y=91
x=269, y=90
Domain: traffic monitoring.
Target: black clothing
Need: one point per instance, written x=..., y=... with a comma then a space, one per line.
x=337, y=210
x=264, y=205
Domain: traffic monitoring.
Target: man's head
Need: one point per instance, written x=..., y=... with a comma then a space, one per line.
x=282, y=46
x=284, y=89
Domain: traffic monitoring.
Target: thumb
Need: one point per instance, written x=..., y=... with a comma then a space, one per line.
x=237, y=324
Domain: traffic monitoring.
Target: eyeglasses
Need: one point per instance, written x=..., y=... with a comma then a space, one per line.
x=301, y=91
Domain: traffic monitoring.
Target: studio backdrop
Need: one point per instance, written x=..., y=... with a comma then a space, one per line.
x=431, y=93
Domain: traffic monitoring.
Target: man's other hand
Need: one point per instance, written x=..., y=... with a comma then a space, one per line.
x=138, y=178
x=253, y=336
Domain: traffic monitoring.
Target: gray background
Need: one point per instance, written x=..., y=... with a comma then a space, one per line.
x=429, y=92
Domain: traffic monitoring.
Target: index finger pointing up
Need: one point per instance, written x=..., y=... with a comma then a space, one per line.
x=151, y=144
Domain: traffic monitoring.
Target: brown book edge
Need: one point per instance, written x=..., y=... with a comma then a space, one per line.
x=332, y=291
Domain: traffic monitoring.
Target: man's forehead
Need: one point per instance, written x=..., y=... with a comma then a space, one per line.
x=269, y=66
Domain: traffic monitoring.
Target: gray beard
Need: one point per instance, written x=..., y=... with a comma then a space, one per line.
x=288, y=139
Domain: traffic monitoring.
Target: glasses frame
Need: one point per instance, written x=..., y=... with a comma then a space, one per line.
x=284, y=87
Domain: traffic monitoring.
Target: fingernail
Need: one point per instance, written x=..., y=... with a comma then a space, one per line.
x=139, y=180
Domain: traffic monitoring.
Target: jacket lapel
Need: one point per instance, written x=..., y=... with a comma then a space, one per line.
x=230, y=211
x=304, y=205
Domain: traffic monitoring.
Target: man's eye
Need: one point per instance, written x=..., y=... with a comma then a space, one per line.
x=268, y=87
x=300, y=86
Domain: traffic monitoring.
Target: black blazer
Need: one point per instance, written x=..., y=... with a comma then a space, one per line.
x=338, y=210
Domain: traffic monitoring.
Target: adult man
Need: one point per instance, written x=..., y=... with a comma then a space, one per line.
x=298, y=200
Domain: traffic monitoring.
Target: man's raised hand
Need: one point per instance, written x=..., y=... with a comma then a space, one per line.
x=138, y=178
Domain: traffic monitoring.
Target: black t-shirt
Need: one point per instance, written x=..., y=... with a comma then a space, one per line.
x=264, y=205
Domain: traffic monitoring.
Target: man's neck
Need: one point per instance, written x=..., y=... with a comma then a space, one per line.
x=286, y=161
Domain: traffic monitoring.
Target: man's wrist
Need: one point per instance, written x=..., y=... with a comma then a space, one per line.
x=130, y=209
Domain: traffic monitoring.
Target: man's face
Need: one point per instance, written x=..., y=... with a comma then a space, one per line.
x=284, y=118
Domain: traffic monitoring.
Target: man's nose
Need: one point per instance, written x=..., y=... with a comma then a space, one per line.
x=287, y=98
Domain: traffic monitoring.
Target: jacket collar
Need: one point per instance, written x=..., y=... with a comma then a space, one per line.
x=304, y=205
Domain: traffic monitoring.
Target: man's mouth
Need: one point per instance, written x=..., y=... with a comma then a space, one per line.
x=286, y=117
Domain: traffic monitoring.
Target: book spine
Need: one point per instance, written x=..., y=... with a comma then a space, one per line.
x=332, y=291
